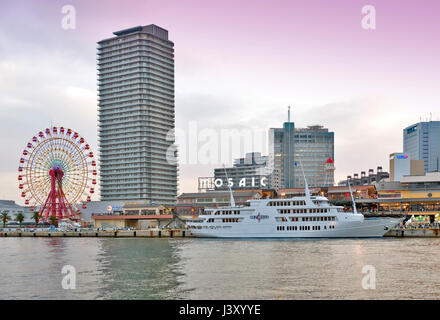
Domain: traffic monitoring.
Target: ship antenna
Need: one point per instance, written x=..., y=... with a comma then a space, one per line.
x=352, y=199
x=306, y=185
x=230, y=190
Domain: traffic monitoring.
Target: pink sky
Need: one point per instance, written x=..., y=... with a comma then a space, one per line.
x=243, y=61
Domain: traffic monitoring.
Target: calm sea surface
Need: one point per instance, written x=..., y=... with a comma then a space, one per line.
x=30, y=268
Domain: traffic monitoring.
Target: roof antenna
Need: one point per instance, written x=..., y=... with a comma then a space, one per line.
x=352, y=199
x=230, y=190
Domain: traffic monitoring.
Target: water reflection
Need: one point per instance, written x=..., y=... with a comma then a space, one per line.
x=106, y=268
x=309, y=269
x=137, y=269
x=218, y=269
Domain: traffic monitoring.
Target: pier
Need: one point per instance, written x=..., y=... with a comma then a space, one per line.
x=395, y=232
x=414, y=233
x=102, y=234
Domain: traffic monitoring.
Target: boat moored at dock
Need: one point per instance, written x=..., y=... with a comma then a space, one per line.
x=298, y=217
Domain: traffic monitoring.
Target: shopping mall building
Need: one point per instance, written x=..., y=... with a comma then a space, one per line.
x=413, y=195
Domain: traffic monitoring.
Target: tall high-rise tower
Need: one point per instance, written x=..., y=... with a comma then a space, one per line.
x=312, y=146
x=138, y=160
x=421, y=141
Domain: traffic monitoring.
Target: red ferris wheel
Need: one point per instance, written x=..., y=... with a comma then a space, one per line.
x=57, y=173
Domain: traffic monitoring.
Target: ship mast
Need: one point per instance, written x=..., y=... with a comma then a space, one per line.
x=306, y=185
x=352, y=199
x=230, y=190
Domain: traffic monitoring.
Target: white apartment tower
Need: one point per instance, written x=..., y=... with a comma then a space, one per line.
x=138, y=159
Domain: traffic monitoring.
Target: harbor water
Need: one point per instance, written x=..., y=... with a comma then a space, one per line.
x=191, y=268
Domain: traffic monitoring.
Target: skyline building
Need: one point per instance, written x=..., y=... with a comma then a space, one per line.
x=364, y=179
x=136, y=116
x=401, y=166
x=421, y=141
x=312, y=146
x=250, y=172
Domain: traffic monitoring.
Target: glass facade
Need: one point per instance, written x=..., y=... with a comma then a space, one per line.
x=421, y=141
x=136, y=116
x=312, y=146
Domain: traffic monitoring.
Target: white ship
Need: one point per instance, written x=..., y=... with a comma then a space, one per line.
x=297, y=217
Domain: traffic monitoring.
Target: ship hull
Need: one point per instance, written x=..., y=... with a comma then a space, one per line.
x=374, y=228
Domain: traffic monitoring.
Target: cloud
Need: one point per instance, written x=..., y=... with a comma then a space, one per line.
x=242, y=75
x=39, y=88
x=366, y=130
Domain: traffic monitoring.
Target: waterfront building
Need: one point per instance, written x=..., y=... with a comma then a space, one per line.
x=93, y=207
x=136, y=116
x=100, y=207
x=136, y=215
x=281, y=153
x=413, y=195
x=250, y=172
x=193, y=204
x=365, y=179
x=312, y=146
x=417, y=195
x=340, y=195
x=337, y=195
x=401, y=165
x=12, y=209
x=421, y=141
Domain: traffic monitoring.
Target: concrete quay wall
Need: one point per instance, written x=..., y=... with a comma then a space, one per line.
x=413, y=233
x=102, y=234
x=399, y=233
